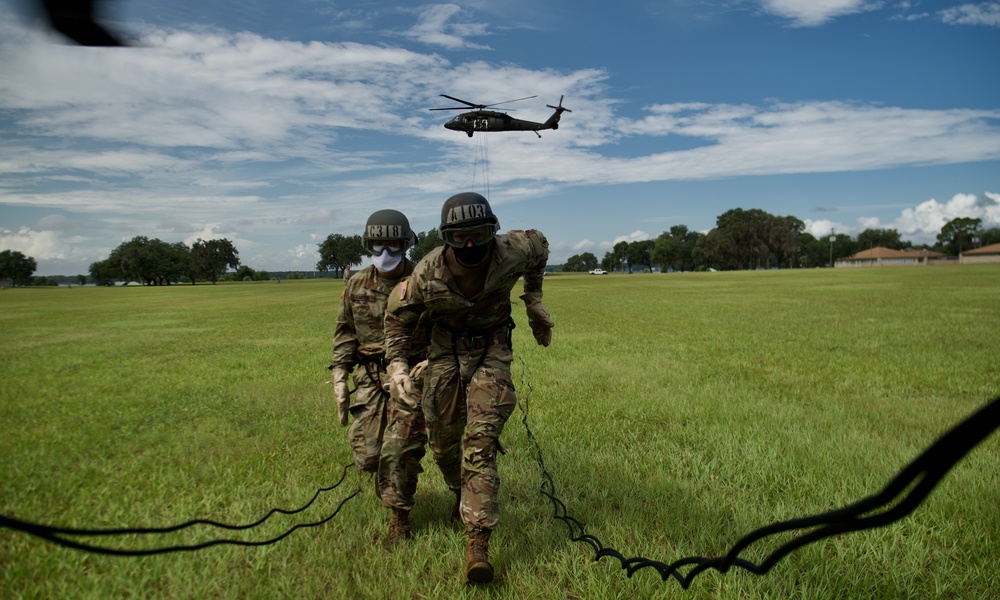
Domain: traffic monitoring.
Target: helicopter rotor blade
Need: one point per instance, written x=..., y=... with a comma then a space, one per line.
x=463, y=101
x=469, y=105
x=509, y=101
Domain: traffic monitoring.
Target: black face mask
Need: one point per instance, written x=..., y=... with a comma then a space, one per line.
x=470, y=255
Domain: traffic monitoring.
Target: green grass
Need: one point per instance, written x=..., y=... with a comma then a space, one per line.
x=676, y=413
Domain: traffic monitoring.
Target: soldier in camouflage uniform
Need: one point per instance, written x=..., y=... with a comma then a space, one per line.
x=358, y=341
x=468, y=394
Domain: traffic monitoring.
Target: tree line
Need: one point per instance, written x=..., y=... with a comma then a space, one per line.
x=754, y=239
x=155, y=262
x=338, y=251
x=742, y=239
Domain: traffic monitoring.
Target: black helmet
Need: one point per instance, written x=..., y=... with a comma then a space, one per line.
x=387, y=226
x=466, y=212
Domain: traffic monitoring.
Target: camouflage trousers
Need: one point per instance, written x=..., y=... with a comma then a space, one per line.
x=402, y=449
x=466, y=403
x=368, y=409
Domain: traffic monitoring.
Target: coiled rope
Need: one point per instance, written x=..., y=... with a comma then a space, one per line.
x=915, y=482
x=56, y=534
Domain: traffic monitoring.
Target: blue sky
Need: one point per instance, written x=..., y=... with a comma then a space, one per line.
x=275, y=124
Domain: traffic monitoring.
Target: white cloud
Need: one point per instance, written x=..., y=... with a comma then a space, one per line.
x=810, y=13
x=303, y=250
x=924, y=222
x=316, y=216
x=437, y=25
x=49, y=246
x=54, y=223
x=984, y=13
x=635, y=236
x=808, y=137
x=822, y=228
x=920, y=224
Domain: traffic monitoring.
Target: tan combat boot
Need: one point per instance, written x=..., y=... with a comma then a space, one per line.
x=399, y=527
x=477, y=565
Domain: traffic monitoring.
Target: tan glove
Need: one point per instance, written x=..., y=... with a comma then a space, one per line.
x=417, y=372
x=338, y=377
x=538, y=318
x=400, y=384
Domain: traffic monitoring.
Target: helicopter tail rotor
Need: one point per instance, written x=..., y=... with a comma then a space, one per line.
x=559, y=108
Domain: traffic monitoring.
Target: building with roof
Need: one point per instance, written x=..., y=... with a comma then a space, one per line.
x=880, y=256
x=986, y=254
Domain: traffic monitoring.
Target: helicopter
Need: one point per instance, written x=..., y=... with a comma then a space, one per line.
x=485, y=120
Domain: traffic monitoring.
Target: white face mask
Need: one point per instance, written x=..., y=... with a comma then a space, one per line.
x=386, y=262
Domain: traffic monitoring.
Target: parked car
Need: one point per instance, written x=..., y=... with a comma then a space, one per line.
x=598, y=272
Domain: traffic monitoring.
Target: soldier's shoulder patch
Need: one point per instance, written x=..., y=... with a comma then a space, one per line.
x=403, y=286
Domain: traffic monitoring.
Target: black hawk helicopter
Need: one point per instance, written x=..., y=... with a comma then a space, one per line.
x=484, y=120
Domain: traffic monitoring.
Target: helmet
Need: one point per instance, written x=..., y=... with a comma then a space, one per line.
x=387, y=226
x=464, y=213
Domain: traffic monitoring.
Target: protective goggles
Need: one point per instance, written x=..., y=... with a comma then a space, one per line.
x=480, y=235
x=376, y=247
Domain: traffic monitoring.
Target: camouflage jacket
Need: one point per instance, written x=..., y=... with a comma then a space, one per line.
x=433, y=292
x=359, y=330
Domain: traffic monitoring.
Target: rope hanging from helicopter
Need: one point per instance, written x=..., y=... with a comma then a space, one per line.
x=481, y=163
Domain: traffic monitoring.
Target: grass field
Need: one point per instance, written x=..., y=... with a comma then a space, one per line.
x=676, y=413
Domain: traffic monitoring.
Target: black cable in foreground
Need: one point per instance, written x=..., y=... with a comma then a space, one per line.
x=919, y=477
x=55, y=534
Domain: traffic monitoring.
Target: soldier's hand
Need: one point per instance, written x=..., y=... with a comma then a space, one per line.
x=417, y=372
x=339, y=377
x=539, y=319
x=400, y=384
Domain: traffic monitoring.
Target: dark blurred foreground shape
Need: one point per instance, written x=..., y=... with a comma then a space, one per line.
x=76, y=20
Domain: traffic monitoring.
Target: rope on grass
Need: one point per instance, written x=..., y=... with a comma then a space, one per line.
x=56, y=534
x=915, y=481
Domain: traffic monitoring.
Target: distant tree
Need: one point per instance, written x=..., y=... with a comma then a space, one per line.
x=886, y=238
x=146, y=261
x=579, y=263
x=338, y=251
x=783, y=240
x=81, y=280
x=640, y=253
x=296, y=275
x=17, y=267
x=748, y=233
x=245, y=273
x=988, y=237
x=608, y=262
x=620, y=253
x=105, y=272
x=843, y=246
x=812, y=252
x=426, y=241
x=210, y=260
x=173, y=262
x=959, y=234
x=714, y=251
x=676, y=249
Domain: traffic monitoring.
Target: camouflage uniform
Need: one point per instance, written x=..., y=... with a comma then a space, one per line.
x=468, y=391
x=358, y=340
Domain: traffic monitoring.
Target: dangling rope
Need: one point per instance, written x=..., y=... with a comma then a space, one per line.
x=481, y=163
x=56, y=534
x=916, y=480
